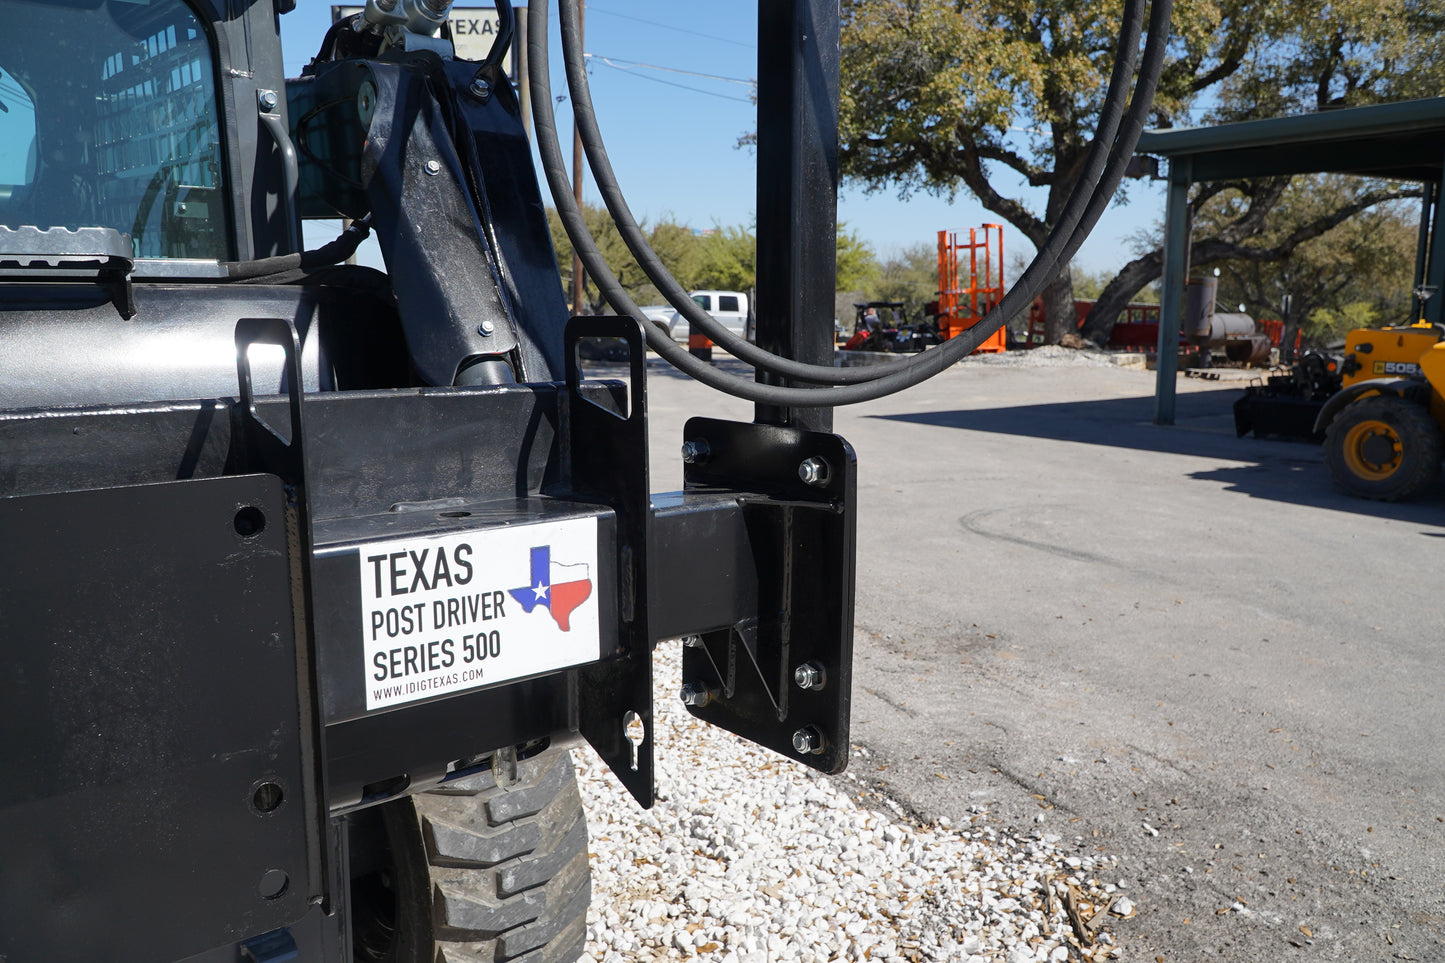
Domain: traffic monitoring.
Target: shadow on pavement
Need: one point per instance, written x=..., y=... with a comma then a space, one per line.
x=1284, y=471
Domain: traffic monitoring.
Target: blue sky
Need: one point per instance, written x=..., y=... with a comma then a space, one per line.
x=672, y=134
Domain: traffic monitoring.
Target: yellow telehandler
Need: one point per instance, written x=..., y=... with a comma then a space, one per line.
x=1385, y=428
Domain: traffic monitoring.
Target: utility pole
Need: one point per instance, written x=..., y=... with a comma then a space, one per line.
x=579, y=278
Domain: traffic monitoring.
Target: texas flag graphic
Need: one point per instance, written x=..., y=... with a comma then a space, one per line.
x=561, y=588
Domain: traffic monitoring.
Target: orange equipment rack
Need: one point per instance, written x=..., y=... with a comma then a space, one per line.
x=960, y=308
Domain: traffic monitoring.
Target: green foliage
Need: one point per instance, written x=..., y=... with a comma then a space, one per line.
x=728, y=259
x=673, y=242
x=724, y=258
x=910, y=276
x=857, y=265
x=1328, y=326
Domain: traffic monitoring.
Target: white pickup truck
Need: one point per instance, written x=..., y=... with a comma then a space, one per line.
x=729, y=307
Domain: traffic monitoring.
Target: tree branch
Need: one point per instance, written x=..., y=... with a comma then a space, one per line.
x=970, y=170
x=1037, y=176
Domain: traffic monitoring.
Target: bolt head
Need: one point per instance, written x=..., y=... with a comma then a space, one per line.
x=433, y=167
x=692, y=641
x=694, y=452
x=486, y=328
x=481, y=89
x=808, y=741
x=809, y=675
x=695, y=694
x=814, y=471
x=267, y=99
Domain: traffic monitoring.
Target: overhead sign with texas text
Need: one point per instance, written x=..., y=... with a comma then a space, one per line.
x=474, y=29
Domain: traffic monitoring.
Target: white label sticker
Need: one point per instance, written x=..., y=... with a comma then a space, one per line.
x=447, y=613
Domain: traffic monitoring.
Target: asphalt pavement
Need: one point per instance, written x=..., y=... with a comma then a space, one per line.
x=1168, y=645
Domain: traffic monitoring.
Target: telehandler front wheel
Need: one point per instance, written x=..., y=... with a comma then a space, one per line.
x=1385, y=448
x=479, y=873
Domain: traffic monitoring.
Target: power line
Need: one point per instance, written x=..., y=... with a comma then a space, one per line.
x=622, y=64
x=666, y=26
x=669, y=83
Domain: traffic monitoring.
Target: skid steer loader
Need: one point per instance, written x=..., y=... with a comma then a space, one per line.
x=314, y=572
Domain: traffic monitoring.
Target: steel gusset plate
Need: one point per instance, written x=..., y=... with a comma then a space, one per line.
x=802, y=538
x=607, y=452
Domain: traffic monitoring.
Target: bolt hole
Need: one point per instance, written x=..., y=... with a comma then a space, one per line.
x=249, y=522
x=268, y=797
x=273, y=884
x=455, y=514
x=636, y=732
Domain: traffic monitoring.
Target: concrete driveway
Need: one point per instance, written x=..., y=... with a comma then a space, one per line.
x=1175, y=647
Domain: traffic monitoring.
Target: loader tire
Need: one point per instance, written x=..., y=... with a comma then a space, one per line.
x=1385, y=448
x=479, y=873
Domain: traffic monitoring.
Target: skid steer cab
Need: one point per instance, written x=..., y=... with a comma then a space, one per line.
x=1385, y=429
x=313, y=572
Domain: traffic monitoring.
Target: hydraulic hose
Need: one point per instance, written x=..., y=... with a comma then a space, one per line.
x=1125, y=57
x=502, y=44
x=1061, y=244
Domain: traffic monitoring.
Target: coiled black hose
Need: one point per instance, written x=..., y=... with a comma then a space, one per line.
x=1086, y=204
x=1125, y=57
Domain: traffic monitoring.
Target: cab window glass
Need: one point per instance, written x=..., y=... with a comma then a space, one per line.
x=17, y=137
x=124, y=128
x=727, y=302
x=704, y=301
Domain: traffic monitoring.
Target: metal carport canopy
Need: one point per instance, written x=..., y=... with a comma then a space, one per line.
x=1404, y=141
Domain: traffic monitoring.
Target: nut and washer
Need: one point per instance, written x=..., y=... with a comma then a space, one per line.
x=433, y=167
x=481, y=89
x=815, y=471
x=486, y=328
x=695, y=694
x=695, y=452
x=808, y=741
x=810, y=675
x=267, y=99
x=692, y=641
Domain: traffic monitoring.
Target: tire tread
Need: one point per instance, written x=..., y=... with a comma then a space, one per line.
x=509, y=866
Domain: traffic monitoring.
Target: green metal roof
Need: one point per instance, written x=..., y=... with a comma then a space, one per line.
x=1404, y=140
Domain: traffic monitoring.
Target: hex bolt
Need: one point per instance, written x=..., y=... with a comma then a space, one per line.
x=815, y=471
x=809, y=675
x=486, y=328
x=267, y=99
x=433, y=167
x=695, y=452
x=692, y=641
x=695, y=694
x=808, y=741
x=481, y=89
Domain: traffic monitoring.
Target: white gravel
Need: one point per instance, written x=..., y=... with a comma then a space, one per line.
x=750, y=858
x=1054, y=356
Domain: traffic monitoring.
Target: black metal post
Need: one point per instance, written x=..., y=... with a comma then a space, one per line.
x=797, y=190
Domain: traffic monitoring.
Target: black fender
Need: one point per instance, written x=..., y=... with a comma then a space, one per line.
x=1408, y=388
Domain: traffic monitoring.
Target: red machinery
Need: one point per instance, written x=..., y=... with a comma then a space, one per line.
x=960, y=308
